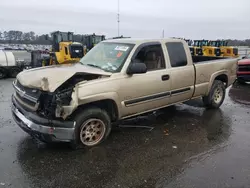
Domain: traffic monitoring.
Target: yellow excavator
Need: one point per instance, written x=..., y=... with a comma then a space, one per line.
x=226, y=51
x=64, y=50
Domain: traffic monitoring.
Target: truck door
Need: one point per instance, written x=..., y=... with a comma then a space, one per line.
x=148, y=91
x=182, y=72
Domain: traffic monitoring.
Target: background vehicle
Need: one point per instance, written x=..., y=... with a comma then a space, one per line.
x=191, y=47
x=9, y=65
x=226, y=51
x=64, y=50
x=89, y=41
x=197, y=45
x=209, y=50
x=40, y=58
x=117, y=79
x=243, y=72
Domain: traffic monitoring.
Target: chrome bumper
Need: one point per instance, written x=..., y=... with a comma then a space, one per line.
x=55, y=133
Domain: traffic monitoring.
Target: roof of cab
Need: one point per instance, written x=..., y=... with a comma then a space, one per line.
x=140, y=40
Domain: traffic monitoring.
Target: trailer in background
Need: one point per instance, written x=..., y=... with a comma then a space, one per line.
x=11, y=65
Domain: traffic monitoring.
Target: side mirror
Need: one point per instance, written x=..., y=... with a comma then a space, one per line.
x=136, y=68
x=244, y=57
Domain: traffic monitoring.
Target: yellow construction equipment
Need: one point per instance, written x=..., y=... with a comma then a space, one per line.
x=226, y=51
x=197, y=48
x=64, y=50
x=209, y=50
x=89, y=41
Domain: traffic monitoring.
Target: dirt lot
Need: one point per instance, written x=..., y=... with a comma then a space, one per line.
x=187, y=147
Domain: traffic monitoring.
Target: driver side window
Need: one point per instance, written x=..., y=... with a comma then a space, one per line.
x=152, y=56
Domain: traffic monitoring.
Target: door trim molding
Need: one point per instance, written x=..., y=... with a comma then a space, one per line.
x=156, y=96
x=180, y=91
x=146, y=98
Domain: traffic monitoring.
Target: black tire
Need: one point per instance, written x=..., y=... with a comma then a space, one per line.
x=82, y=117
x=241, y=81
x=13, y=72
x=216, y=95
x=3, y=73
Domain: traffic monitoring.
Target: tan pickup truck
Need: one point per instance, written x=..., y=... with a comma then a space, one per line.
x=117, y=79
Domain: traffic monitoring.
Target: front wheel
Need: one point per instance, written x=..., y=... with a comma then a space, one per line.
x=93, y=125
x=216, y=95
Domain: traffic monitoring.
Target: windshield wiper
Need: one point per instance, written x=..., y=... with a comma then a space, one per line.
x=96, y=66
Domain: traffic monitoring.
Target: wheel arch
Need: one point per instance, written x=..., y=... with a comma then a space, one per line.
x=109, y=105
x=222, y=76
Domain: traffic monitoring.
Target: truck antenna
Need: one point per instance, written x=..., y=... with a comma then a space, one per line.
x=118, y=18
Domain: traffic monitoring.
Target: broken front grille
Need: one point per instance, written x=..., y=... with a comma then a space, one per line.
x=35, y=93
x=27, y=97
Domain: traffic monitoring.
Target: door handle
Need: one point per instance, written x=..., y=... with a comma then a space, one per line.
x=165, y=77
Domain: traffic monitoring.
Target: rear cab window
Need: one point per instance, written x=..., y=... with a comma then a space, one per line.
x=177, y=54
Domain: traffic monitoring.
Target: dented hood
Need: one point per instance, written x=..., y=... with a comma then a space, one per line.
x=51, y=77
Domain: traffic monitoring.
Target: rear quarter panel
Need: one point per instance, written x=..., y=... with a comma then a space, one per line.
x=206, y=72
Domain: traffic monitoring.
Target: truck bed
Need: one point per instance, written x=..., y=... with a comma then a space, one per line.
x=206, y=72
x=199, y=59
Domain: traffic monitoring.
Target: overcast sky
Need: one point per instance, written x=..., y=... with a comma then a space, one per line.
x=196, y=19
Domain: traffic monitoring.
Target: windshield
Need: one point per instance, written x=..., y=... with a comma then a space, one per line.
x=109, y=57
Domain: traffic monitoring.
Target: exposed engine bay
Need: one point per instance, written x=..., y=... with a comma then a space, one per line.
x=53, y=105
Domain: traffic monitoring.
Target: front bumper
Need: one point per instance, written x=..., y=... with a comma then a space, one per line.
x=245, y=77
x=42, y=128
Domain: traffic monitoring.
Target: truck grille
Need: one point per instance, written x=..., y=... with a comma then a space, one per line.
x=31, y=103
x=29, y=91
x=27, y=97
x=242, y=68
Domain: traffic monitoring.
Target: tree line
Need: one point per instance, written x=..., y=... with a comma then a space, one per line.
x=19, y=37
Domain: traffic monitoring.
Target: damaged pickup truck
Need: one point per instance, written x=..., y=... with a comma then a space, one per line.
x=117, y=79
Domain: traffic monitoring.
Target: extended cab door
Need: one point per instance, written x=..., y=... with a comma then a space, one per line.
x=145, y=92
x=182, y=71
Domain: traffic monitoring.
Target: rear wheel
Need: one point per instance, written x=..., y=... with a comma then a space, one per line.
x=14, y=72
x=93, y=125
x=216, y=95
